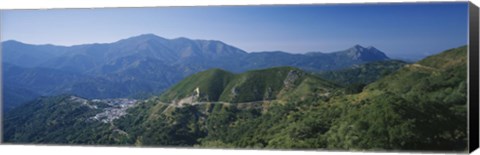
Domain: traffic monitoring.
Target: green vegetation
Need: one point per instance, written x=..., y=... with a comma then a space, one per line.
x=57, y=120
x=211, y=83
x=257, y=85
x=419, y=107
x=363, y=74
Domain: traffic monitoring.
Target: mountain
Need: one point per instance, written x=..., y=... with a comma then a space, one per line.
x=314, y=61
x=363, y=74
x=45, y=81
x=147, y=65
x=26, y=55
x=358, y=52
x=258, y=85
x=92, y=57
x=419, y=107
x=179, y=52
x=16, y=96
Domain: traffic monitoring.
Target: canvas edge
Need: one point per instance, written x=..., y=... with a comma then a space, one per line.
x=473, y=66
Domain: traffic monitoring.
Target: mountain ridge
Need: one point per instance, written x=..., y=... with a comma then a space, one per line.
x=217, y=85
x=148, y=64
x=151, y=36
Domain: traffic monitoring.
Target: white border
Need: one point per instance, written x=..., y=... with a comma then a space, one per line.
x=84, y=150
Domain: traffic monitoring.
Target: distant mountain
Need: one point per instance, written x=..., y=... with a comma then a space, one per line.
x=44, y=81
x=147, y=64
x=314, y=61
x=16, y=96
x=26, y=55
x=179, y=52
x=358, y=52
x=94, y=58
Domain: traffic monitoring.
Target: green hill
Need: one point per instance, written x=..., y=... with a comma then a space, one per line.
x=422, y=106
x=364, y=73
x=217, y=85
x=211, y=83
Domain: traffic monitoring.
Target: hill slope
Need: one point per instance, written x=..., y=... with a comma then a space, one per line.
x=422, y=106
x=257, y=85
x=47, y=120
x=364, y=73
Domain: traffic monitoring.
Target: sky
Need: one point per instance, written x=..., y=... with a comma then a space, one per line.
x=408, y=30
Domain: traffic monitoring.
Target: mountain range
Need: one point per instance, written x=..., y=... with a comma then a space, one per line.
x=144, y=65
x=415, y=107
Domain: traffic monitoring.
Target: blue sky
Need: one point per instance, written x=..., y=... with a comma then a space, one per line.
x=401, y=30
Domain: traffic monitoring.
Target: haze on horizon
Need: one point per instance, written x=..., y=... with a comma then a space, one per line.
x=409, y=30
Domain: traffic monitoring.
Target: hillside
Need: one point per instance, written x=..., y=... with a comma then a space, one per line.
x=384, y=116
x=422, y=106
x=16, y=96
x=257, y=85
x=363, y=74
x=64, y=119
